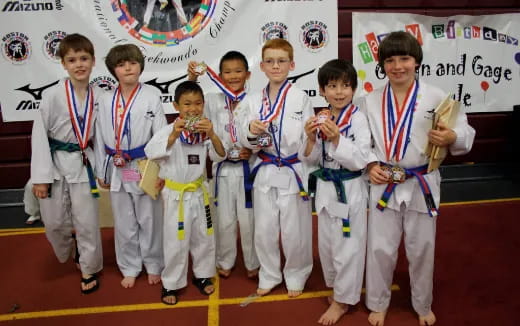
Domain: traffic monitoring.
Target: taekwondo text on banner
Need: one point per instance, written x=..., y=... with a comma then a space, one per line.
x=170, y=33
x=477, y=58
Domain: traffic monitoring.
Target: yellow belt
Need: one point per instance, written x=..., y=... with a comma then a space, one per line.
x=191, y=187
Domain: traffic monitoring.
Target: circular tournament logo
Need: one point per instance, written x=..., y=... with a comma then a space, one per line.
x=106, y=83
x=163, y=22
x=273, y=30
x=51, y=44
x=314, y=35
x=16, y=47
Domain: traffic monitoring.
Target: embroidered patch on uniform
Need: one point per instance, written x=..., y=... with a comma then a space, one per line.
x=149, y=115
x=193, y=159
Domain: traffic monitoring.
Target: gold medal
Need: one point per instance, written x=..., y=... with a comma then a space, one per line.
x=191, y=122
x=200, y=68
x=398, y=174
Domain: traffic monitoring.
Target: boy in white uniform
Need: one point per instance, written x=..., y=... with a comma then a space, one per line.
x=181, y=149
x=62, y=162
x=128, y=117
x=338, y=138
x=233, y=188
x=281, y=206
x=403, y=196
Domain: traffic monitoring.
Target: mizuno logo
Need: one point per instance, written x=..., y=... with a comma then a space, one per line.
x=36, y=92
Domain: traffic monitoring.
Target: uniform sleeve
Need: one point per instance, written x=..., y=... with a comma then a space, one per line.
x=157, y=146
x=363, y=107
x=353, y=151
x=42, y=167
x=465, y=135
x=213, y=155
x=245, y=138
x=99, y=142
x=159, y=120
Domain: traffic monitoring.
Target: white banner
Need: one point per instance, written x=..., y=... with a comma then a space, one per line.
x=170, y=33
x=476, y=58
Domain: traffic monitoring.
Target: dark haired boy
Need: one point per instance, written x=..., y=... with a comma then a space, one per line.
x=181, y=148
x=62, y=163
x=129, y=116
x=232, y=189
x=403, y=197
x=339, y=144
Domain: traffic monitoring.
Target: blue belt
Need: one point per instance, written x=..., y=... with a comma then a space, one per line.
x=280, y=161
x=128, y=154
x=248, y=184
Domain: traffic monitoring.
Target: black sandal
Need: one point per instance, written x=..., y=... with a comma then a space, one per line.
x=202, y=283
x=87, y=281
x=168, y=293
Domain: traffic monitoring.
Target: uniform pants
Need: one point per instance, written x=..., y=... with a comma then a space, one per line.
x=287, y=217
x=196, y=241
x=343, y=259
x=138, y=233
x=72, y=207
x=230, y=210
x=384, y=236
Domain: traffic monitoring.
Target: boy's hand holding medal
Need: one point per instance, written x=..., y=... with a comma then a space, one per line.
x=259, y=128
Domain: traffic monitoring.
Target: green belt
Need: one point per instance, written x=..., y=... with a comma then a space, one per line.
x=57, y=145
x=336, y=176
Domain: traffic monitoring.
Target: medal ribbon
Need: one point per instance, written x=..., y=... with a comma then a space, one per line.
x=397, y=121
x=120, y=120
x=215, y=78
x=81, y=126
x=344, y=120
x=270, y=112
x=232, y=128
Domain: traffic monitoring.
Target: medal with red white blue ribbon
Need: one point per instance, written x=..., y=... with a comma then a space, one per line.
x=120, y=118
x=215, y=78
x=191, y=138
x=270, y=112
x=397, y=121
x=82, y=126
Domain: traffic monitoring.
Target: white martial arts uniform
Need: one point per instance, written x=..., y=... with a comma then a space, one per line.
x=406, y=210
x=278, y=206
x=137, y=217
x=343, y=258
x=30, y=201
x=71, y=204
x=231, y=193
x=183, y=163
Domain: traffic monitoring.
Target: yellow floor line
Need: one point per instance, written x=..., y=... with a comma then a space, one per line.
x=29, y=231
x=160, y=306
x=20, y=229
x=484, y=201
x=213, y=304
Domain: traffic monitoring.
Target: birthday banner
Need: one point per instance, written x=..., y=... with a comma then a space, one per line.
x=476, y=58
x=170, y=33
